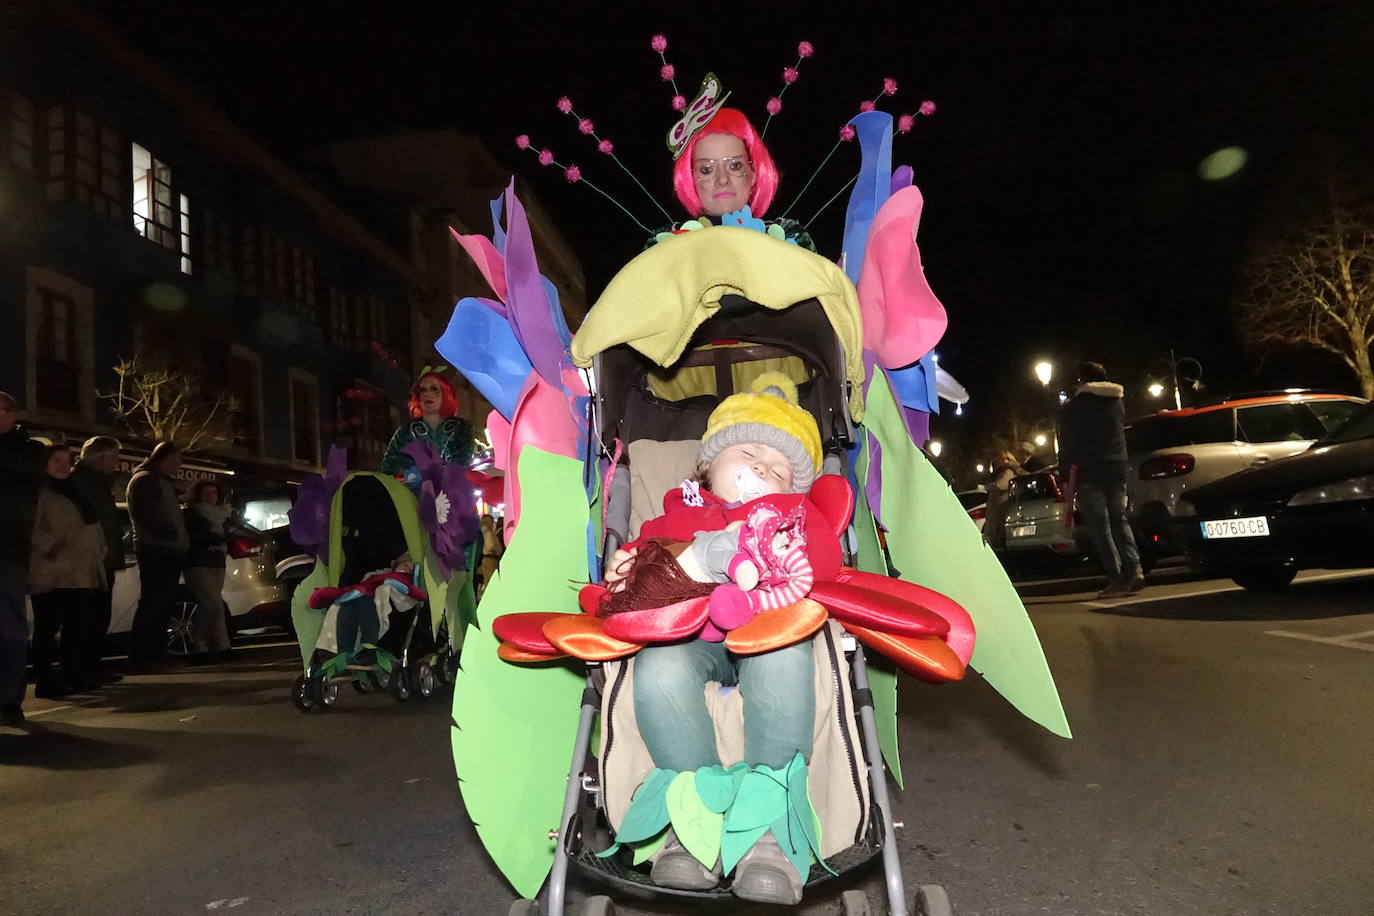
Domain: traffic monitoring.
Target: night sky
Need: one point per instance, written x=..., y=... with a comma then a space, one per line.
x=1064, y=212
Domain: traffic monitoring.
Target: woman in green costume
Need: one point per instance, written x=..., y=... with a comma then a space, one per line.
x=434, y=418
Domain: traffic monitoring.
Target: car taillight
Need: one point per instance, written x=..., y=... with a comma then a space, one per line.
x=1166, y=466
x=978, y=514
x=240, y=547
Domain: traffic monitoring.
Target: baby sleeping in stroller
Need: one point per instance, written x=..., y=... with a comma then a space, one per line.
x=747, y=537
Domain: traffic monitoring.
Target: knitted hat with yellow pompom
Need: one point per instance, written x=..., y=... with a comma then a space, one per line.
x=768, y=414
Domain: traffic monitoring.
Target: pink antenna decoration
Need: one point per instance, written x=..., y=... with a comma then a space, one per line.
x=587, y=127
x=789, y=76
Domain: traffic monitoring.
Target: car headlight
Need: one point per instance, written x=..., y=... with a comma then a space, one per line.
x=1339, y=492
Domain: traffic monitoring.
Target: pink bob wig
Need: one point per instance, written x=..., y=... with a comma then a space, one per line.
x=728, y=121
x=448, y=406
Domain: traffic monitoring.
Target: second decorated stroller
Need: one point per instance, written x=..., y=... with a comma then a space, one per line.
x=364, y=619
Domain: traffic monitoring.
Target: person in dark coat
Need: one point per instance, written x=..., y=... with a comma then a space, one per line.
x=93, y=477
x=21, y=472
x=1092, y=444
x=160, y=543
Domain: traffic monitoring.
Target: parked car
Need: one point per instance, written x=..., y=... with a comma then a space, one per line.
x=1312, y=510
x=1174, y=451
x=253, y=597
x=975, y=502
x=1040, y=522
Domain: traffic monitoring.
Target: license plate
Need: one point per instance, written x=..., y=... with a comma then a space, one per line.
x=1255, y=527
x=1023, y=531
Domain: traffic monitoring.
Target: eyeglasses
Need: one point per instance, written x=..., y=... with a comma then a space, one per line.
x=735, y=167
x=430, y=389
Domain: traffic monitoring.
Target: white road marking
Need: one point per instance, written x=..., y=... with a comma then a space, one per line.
x=1346, y=642
x=44, y=712
x=1145, y=598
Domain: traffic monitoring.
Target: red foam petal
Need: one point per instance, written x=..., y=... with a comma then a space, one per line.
x=832, y=494
x=879, y=610
x=961, y=635
x=589, y=598
x=526, y=631
x=660, y=624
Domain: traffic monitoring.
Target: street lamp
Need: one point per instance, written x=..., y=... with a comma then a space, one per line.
x=934, y=447
x=1040, y=439
x=1155, y=390
x=981, y=469
x=1044, y=371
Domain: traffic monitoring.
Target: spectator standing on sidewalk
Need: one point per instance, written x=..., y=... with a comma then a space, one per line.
x=1005, y=469
x=207, y=519
x=66, y=576
x=93, y=477
x=160, y=543
x=1092, y=441
x=21, y=473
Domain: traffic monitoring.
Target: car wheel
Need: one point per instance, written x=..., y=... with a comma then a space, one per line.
x=1264, y=578
x=181, y=639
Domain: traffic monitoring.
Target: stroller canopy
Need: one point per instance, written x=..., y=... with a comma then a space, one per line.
x=656, y=302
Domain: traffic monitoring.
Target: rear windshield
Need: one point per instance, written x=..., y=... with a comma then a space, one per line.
x=1360, y=426
x=972, y=498
x=1155, y=433
x=1035, y=486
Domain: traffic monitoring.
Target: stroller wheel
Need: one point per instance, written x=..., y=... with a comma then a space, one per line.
x=598, y=906
x=931, y=900
x=324, y=692
x=855, y=903
x=524, y=908
x=448, y=667
x=301, y=694
x=400, y=684
x=422, y=680
x=363, y=683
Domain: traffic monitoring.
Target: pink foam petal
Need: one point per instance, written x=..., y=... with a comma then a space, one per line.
x=487, y=259
x=902, y=318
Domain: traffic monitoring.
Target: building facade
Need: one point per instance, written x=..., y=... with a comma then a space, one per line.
x=139, y=226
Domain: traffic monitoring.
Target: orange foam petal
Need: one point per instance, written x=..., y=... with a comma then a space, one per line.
x=510, y=652
x=926, y=658
x=776, y=628
x=585, y=637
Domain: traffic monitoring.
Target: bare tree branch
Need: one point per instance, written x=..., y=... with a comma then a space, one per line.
x=163, y=404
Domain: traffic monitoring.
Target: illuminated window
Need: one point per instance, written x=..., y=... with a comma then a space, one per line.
x=154, y=217
x=184, y=224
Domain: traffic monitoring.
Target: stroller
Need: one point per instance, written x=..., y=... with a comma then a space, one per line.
x=660, y=414
x=362, y=622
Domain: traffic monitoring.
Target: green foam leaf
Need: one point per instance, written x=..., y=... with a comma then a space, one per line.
x=515, y=724
x=698, y=828
x=648, y=811
x=933, y=542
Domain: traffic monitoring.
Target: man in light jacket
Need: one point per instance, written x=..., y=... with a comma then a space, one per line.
x=1092, y=441
x=160, y=543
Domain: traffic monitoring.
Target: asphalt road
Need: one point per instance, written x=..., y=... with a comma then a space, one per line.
x=1220, y=765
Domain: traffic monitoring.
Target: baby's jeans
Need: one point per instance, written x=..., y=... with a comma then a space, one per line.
x=778, y=689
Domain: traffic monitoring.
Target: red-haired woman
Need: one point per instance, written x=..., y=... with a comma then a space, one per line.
x=434, y=418
x=725, y=168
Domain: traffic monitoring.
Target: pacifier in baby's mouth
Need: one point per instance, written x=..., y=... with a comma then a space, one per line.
x=748, y=484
